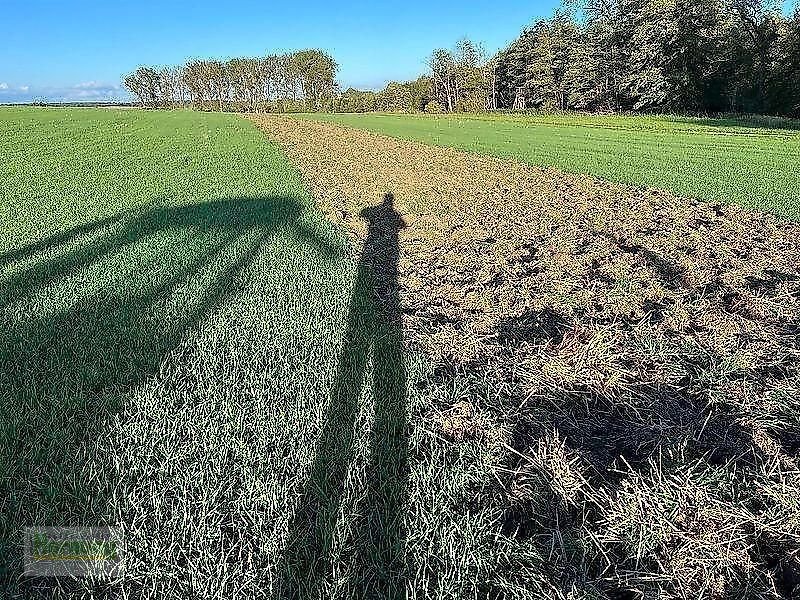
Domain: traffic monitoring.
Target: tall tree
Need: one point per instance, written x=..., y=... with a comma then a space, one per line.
x=548, y=60
x=753, y=41
x=787, y=74
x=145, y=84
x=442, y=65
x=672, y=53
x=316, y=72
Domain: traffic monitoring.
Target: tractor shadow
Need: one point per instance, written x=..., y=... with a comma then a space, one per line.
x=374, y=334
x=68, y=364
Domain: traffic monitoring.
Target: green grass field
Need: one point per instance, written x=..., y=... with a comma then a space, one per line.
x=751, y=163
x=173, y=314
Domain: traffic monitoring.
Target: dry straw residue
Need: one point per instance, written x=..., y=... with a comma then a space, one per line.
x=650, y=346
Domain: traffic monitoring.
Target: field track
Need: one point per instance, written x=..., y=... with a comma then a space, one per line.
x=749, y=162
x=631, y=356
x=490, y=238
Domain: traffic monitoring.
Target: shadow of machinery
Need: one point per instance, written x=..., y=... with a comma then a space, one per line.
x=64, y=372
x=374, y=334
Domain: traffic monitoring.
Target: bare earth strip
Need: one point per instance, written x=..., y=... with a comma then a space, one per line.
x=646, y=349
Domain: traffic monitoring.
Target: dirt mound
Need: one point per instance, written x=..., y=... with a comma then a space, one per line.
x=648, y=346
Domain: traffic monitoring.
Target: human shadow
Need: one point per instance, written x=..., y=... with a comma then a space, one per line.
x=68, y=364
x=374, y=331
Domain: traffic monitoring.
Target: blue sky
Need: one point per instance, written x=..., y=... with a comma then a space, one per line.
x=79, y=49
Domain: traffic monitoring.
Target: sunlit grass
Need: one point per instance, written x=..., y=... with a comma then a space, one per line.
x=173, y=313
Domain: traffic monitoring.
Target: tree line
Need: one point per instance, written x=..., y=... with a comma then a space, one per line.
x=302, y=80
x=645, y=55
x=710, y=56
x=459, y=80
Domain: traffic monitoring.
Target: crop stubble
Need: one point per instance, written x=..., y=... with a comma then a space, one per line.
x=640, y=334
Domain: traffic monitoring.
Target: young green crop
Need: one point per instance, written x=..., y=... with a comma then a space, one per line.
x=753, y=163
x=173, y=311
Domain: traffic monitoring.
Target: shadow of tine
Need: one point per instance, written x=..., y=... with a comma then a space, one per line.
x=81, y=361
x=56, y=240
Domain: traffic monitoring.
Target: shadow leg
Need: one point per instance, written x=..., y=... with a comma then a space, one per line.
x=384, y=531
x=312, y=528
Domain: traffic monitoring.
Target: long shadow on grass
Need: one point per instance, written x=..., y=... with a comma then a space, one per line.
x=137, y=286
x=374, y=331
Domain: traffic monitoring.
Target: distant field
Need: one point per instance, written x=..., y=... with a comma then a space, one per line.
x=751, y=163
x=64, y=167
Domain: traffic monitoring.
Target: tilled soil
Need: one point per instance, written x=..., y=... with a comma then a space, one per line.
x=645, y=337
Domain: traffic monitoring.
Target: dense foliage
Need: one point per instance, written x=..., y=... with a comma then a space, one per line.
x=460, y=79
x=677, y=55
x=303, y=80
x=633, y=55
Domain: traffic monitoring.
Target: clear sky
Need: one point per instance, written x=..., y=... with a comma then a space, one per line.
x=79, y=49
